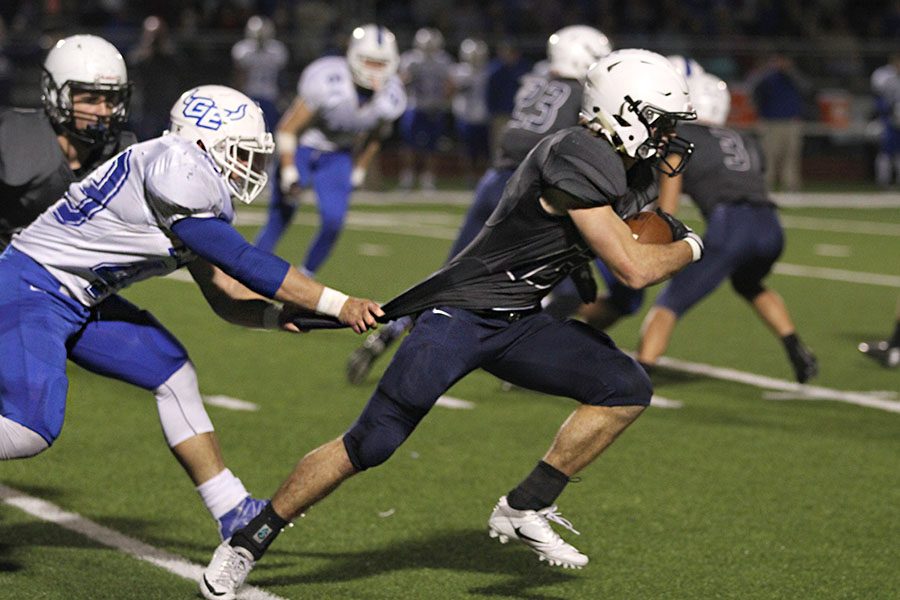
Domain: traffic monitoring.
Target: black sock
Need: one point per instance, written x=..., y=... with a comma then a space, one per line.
x=895, y=339
x=539, y=490
x=259, y=533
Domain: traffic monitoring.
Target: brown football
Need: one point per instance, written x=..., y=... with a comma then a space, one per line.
x=649, y=228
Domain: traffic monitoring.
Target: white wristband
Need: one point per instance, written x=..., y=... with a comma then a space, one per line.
x=696, y=249
x=331, y=302
x=286, y=142
x=271, y=317
x=357, y=177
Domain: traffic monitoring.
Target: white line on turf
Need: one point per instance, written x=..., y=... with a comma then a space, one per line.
x=837, y=275
x=875, y=400
x=231, y=403
x=660, y=402
x=457, y=403
x=172, y=563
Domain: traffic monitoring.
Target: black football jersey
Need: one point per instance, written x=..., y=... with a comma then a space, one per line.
x=34, y=173
x=542, y=106
x=726, y=166
x=523, y=252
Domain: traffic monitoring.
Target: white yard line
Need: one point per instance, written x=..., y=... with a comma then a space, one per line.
x=231, y=403
x=46, y=511
x=455, y=403
x=837, y=275
x=878, y=399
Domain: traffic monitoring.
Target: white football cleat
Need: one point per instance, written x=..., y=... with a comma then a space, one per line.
x=532, y=527
x=226, y=572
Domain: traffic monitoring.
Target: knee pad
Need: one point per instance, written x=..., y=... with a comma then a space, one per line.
x=381, y=428
x=180, y=405
x=627, y=385
x=17, y=441
x=748, y=289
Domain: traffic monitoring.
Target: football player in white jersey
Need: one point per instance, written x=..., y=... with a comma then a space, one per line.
x=344, y=107
x=258, y=60
x=85, y=94
x=152, y=208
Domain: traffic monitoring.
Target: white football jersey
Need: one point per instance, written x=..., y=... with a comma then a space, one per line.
x=261, y=65
x=470, y=100
x=326, y=87
x=427, y=76
x=113, y=228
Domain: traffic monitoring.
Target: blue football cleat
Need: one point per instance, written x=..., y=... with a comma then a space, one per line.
x=239, y=516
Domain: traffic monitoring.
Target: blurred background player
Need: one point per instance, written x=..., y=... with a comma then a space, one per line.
x=85, y=92
x=258, y=61
x=470, y=113
x=544, y=105
x=157, y=65
x=343, y=109
x=886, y=87
x=885, y=352
x=425, y=71
x=743, y=238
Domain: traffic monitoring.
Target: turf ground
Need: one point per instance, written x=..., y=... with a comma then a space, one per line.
x=748, y=490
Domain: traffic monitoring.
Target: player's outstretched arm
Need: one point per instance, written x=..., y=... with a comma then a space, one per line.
x=636, y=265
x=297, y=118
x=301, y=291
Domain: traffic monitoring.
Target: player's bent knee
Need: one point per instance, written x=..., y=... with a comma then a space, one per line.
x=631, y=386
x=381, y=428
x=17, y=441
x=180, y=406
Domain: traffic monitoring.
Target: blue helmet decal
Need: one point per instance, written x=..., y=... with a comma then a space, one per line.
x=206, y=114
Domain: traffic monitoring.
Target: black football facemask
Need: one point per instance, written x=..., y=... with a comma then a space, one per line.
x=99, y=130
x=662, y=144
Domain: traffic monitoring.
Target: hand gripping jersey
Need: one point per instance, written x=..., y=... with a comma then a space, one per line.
x=726, y=167
x=542, y=106
x=326, y=86
x=34, y=173
x=523, y=252
x=113, y=228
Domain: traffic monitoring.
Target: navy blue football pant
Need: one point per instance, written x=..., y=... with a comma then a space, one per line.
x=742, y=242
x=537, y=352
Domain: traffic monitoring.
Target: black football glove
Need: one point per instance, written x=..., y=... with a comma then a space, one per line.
x=680, y=231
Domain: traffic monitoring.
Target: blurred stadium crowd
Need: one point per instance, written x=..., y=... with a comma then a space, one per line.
x=830, y=48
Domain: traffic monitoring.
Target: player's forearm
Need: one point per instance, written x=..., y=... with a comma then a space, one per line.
x=652, y=263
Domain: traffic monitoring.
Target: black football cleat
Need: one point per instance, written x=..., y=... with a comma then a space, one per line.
x=805, y=364
x=881, y=352
x=360, y=362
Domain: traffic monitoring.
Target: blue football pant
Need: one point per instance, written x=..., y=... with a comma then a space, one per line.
x=537, y=352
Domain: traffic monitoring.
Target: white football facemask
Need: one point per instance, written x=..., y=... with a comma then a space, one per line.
x=635, y=98
x=85, y=63
x=373, y=56
x=710, y=97
x=572, y=50
x=233, y=132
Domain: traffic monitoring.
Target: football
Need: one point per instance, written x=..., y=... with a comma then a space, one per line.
x=649, y=228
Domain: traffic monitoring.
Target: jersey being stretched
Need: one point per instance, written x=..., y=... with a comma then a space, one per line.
x=342, y=116
x=113, y=228
x=523, y=252
x=543, y=106
x=726, y=167
x=34, y=173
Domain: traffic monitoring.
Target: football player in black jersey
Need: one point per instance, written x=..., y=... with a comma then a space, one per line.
x=743, y=237
x=85, y=92
x=547, y=101
x=563, y=205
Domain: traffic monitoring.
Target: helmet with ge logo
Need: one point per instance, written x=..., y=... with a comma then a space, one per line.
x=573, y=49
x=231, y=128
x=710, y=97
x=635, y=98
x=85, y=63
x=372, y=56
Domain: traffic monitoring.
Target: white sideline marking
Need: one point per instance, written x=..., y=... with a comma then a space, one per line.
x=875, y=400
x=660, y=402
x=837, y=275
x=230, y=403
x=457, y=403
x=172, y=563
x=837, y=250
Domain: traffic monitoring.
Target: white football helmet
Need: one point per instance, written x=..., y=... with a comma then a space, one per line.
x=635, y=98
x=232, y=130
x=710, y=97
x=429, y=40
x=686, y=66
x=259, y=28
x=474, y=52
x=85, y=63
x=572, y=50
x=372, y=56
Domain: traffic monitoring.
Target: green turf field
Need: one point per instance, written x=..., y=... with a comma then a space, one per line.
x=740, y=493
